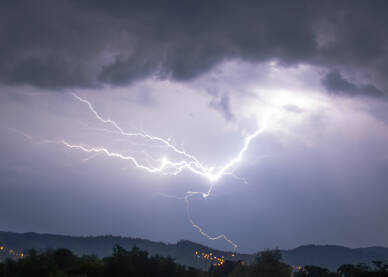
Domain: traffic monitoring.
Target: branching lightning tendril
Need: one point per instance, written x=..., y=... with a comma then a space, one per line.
x=169, y=166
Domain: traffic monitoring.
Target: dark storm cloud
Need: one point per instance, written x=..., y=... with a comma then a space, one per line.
x=335, y=83
x=66, y=44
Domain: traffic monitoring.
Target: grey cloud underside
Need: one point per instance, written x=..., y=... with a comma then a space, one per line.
x=334, y=82
x=222, y=104
x=65, y=44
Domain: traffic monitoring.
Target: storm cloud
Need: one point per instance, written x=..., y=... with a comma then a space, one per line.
x=68, y=44
x=335, y=83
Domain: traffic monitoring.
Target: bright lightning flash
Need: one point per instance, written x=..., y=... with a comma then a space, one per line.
x=168, y=166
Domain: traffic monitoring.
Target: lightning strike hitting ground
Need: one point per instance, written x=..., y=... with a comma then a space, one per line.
x=168, y=166
x=221, y=236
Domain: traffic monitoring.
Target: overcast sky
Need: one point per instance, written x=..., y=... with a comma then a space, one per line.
x=204, y=75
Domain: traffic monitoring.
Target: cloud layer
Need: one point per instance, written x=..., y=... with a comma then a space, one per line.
x=67, y=44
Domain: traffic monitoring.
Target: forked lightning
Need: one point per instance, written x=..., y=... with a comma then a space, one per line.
x=169, y=166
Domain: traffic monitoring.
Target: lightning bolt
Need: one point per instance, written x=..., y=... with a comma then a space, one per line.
x=200, y=230
x=192, y=163
x=168, y=166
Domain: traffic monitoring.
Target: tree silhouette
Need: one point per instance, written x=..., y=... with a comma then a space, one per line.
x=268, y=264
x=137, y=263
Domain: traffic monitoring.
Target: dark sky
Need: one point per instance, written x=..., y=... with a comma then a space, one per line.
x=203, y=76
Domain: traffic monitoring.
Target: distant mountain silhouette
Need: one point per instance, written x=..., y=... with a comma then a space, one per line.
x=184, y=251
x=332, y=256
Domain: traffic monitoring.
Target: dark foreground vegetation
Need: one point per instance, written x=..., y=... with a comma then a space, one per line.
x=137, y=263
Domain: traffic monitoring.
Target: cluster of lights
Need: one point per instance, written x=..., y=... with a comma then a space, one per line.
x=213, y=259
x=299, y=268
x=11, y=252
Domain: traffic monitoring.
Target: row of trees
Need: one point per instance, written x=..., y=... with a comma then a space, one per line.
x=269, y=264
x=137, y=263
x=63, y=263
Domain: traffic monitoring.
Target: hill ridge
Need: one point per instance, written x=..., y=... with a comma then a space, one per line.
x=183, y=251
